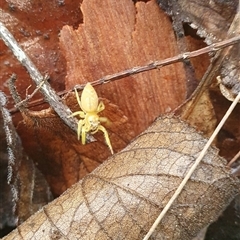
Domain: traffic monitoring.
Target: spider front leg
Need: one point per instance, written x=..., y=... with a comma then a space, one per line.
x=77, y=96
x=80, y=113
x=100, y=127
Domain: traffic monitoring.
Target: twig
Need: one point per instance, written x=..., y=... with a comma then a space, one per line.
x=234, y=159
x=158, y=64
x=49, y=94
x=192, y=169
x=154, y=65
x=23, y=102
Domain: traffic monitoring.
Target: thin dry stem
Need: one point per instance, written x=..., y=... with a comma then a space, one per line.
x=194, y=166
x=153, y=65
x=158, y=64
x=49, y=94
x=234, y=159
x=29, y=96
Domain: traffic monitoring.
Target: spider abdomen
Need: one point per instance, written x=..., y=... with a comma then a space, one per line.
x=89, y=99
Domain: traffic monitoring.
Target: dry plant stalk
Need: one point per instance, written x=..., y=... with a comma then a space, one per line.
x=138, y=69
x=192, y=169
x=50, y=95
x=121, y=199
x=161, y=63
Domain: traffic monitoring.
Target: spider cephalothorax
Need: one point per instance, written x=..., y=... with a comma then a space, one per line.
x=90, y=121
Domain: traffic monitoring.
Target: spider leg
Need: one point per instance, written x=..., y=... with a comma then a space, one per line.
x=80, y=128
x=77, y=96
x=83, y=135
x=105, y=120
x=100, y=127
x=100, y=107
x=80, y=113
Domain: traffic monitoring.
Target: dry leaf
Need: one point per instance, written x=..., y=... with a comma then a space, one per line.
x=230, y=69
x=211, y=18
x=122, y=198
x=225, y=18
x=199, y=110
x=28, y=188
x=7, y=202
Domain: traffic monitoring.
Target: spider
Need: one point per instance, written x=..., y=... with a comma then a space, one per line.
x=90, y=122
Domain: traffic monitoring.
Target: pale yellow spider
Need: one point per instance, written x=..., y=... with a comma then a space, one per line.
x=90, y=122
